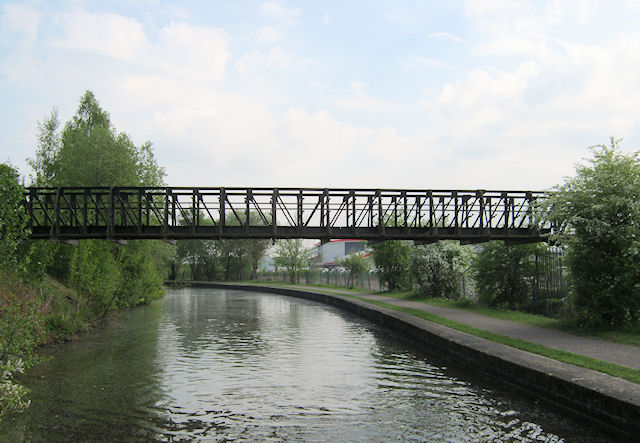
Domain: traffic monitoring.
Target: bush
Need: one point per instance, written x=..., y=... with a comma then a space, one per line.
x=439, y=269
x=597, y=215
x=392, y=259
x=504, y=273
x=355, y=264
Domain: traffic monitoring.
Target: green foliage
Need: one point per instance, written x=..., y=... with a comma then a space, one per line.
x=90, y=152
x=222, y=260
x=293, y=256
x=240, y=258
x=141, y=263
x=13, y=230
x=439, y=269
x=201, y=257
x=48, y=148
x=19, y=258
x=94, y=272
x=21, y=323
x=355, y=263
x=504, y=273
x=598, y=217
x=392, y=259
x=21, y=330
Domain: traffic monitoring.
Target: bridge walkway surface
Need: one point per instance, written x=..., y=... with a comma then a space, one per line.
x=612, y=352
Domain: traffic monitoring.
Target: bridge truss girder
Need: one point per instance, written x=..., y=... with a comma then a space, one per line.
x=424, y=216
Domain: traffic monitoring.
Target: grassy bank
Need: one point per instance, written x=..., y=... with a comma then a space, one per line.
x=47, y=313
x=629, y=335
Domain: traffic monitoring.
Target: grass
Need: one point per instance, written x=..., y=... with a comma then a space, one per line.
x=471, y=306
x=629, y=335
x=62, y=317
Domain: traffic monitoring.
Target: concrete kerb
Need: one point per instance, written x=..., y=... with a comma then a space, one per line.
x=608, y=402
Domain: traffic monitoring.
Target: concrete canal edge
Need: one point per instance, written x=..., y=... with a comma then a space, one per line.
x=608, y=402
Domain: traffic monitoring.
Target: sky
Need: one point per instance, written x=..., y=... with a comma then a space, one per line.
x=484, y=94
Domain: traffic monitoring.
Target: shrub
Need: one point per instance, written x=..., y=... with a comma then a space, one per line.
x=597, y=215
x=504, y=273
x=439, y=268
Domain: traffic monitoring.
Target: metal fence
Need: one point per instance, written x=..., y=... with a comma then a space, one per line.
x=550, y=284
x=331, y=277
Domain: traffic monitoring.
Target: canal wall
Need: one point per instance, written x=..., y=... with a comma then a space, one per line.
x=608, y=402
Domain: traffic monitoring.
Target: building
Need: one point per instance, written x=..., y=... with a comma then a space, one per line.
x=328, y=254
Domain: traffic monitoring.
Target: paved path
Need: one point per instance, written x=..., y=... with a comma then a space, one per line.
x=625, y=355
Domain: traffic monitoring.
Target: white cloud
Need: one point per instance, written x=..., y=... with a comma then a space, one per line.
x=268, y=34
x=19, y=29
x=257, y=62
x=189, y=51
x=482, y=99
x=427, y=62
x=192, y=51
x=109, y=34
x=446, y=36
x=21, y=19
x=359, y=100
x=277, y=12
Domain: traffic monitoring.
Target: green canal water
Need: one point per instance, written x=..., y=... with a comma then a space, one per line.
x=216, y=365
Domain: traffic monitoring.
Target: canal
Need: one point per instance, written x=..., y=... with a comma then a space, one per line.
x=219, y=365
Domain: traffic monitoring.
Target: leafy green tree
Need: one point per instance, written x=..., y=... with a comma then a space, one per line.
x=439, y=268
x=13, y=229
x=293, y=256
x=49, y=143
x=504, y=273
x=201, y=257
x=392, y=259
x=597, y=215
x=90, y=152
x=355, y=264
x=235, y=259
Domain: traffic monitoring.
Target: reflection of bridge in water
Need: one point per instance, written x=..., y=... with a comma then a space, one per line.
x=122, y=213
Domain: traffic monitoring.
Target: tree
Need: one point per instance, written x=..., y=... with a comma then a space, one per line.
x=201, y=256
x=355, y=263
x=392, y=259
x=13, y=229
x=292, y=255
x=504, y=273
x=439, y=268
x=223, y=260
x=597, y=219
x=90, y=152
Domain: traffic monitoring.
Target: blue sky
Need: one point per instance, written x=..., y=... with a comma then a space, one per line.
x=449, y=94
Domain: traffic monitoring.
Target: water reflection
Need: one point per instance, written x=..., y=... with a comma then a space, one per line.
x=211, y=364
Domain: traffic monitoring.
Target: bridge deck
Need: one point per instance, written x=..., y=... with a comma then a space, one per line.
x=228, y=213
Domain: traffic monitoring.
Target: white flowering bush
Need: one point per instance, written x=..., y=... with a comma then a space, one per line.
x=12, y=394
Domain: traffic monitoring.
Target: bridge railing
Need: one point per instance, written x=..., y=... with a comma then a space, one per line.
x=177, y=212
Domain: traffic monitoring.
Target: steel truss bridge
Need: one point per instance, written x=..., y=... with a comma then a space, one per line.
x=424, y=216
